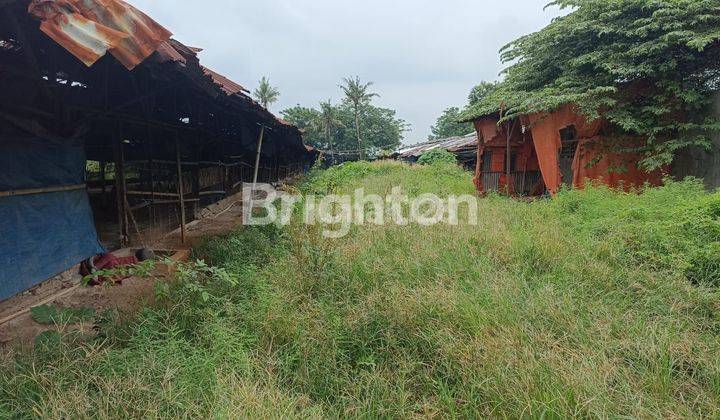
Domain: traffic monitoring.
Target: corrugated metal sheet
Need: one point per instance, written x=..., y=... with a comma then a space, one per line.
x=90, y=28
x=452, y=144
x=227, y=85
x=233, y=88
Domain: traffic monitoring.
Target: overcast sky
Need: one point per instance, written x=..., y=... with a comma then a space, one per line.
x=423, y=55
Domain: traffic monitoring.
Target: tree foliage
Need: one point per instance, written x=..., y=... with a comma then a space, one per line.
x=358, y=95
x=381, y=129
x=328, y=123
x=481, y=91
x=265, y=93
x=305, y=119
x=448, y=126
x=648, y=67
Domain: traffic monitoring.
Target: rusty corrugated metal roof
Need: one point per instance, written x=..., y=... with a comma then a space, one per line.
x=227, y=85
x=452, y=144
x=233, y=88
x=90, y=29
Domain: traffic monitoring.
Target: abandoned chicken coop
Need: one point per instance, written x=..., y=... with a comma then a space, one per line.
x=539, y=153
x=113, y=135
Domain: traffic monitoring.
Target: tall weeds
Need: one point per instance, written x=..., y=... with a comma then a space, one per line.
x=594, y=304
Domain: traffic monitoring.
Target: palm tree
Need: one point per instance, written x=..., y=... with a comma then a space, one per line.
x=328, y=121
x=356, y=93
x=265, y=93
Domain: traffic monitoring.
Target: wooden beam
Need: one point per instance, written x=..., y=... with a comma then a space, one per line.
x=30, y=191
x=151, y=193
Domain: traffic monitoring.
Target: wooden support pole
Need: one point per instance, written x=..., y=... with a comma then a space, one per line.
x=257, y=167
x=152, y=193
x=224, y=175
x=195, y=181
x=478, y=164
x=257, y=156
x=180, y=189
x=102, y=179
x=134, y=222
x=120, y=190
x=508, y=158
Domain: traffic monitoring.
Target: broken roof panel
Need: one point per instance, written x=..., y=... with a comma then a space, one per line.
x=451, y=144
x=88, y=29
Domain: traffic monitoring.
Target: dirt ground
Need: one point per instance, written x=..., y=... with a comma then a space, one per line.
x=127, y=298
x=66, y=291
x=218, y=219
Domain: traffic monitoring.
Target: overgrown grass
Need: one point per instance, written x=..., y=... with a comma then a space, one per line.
x=595, y=304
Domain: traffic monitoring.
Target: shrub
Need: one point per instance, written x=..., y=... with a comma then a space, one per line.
x=437, y=157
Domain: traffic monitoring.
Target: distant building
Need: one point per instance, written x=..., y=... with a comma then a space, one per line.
x=464, y=148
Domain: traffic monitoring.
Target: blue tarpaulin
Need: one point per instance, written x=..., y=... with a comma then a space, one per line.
x=42, y=235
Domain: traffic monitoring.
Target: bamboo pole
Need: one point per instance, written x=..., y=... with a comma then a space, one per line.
x=134, y=222
x=180, y=190
x=257, y=166
x=257, y=156
x=152, y=194
x=102, y=179
x=120, y=189
x=31, y=191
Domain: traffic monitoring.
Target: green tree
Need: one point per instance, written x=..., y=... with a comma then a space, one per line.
x=648, y=67
x=481, y=91
x=357, y=94
x=448, y=126
x=265, y=93
x=328, y=122
x=304, y=118
x=381, y=129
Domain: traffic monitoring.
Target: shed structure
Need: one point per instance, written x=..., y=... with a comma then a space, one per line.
x=112, y=134
x=463, y=147
x=538, y=153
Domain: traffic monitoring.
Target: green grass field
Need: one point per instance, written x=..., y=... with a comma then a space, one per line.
x=594, y=304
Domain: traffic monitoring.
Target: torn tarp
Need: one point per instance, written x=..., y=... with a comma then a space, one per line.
x=42, y=234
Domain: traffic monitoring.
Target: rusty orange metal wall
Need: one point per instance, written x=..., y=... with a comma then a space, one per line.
x=538, y=149
x=494, y=139
x=612, y=169
x=545, y=129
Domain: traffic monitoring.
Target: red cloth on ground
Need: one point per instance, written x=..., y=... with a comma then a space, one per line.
x=107, y=262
